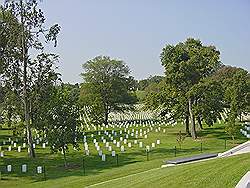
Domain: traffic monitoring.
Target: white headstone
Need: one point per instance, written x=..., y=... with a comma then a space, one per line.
x=125, y=141
x=87, y=152
x=19, y=149
x=147, y=148
x=113, y=153
x=1, y=154
x=114, y=141
x=15, y=145
x=44, y=145
x=135, y=141
x=100, y=152
x=86, y=147
x=103, y=157
x=146, y=136
x=24, y=145
x=9, y=168
x=39, y=170
x=110, y=148
x=107, y=144
x=98, y=148
x=34, y=146
x=9, y=148
x=153, y=145
x=158, y=142
x=129, y=145
x=24, y=168
x=118, y=144
x=140, y=144
x=122, y=149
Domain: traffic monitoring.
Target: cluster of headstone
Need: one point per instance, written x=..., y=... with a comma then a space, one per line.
x=223, y=116
x=110, y=141
x=24, y=168
x=18, y=145
x=245, y=130
x=138, y=118
x=125, y=130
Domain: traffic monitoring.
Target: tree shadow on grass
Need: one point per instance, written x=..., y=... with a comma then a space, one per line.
x=55, y=165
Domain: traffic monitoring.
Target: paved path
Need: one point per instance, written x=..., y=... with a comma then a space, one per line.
x=244, y=182
x=244, y=150
x=240, y=149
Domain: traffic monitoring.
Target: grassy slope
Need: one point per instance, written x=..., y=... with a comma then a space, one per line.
x=132, y=161
x=214, y=173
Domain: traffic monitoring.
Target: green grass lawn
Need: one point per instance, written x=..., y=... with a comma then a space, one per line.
x=134, y=160
x=219, y=173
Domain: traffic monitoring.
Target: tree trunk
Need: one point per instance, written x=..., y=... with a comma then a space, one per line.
x=106, y=116
x=25, y=96
x=64, y=157
x=233, y=139
x=199, y=122
x=187, y=125
x=192, y=120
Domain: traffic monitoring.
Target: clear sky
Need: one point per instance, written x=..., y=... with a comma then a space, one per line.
x=137, y=30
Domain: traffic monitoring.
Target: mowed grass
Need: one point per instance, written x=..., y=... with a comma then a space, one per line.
x=223, y=172
x=133, y=161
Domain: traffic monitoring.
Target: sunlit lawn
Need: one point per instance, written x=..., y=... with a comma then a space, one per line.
x=133, y=160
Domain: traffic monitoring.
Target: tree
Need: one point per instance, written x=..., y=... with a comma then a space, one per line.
x=63, y=120
x=231, y=128
x=106, y=87
x=236, y=88
x=209, y=101
x=180, y=138
x=21, y=30
x=143, y=84
x=186, y=64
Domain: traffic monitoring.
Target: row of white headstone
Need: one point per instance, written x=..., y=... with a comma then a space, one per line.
x=20, y=147
x=24, y=168
x=122, y=147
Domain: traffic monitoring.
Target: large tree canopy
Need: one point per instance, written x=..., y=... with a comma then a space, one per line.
x=186, y=65
x=26, y=76
x=107, y=86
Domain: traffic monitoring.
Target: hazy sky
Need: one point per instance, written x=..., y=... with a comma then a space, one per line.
x=137, y=30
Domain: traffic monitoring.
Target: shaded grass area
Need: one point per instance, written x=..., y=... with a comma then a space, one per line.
x=132, y=161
